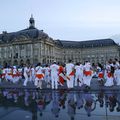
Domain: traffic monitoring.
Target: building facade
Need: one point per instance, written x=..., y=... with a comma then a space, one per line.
x=94, y=50
x=32, y=46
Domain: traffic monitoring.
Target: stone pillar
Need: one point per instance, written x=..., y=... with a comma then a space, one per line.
x=39, y=53
x=12, y=55
x=31, y=56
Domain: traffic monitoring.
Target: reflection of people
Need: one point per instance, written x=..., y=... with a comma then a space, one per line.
x=55, y=105
x=100, y=98
x=62, y=99
x=89, y=103
x=80, y=101
x=26, y=98
x=71, y=106
x=40, y=104
x=118, y=102
x=15, y=96
x=111, y=100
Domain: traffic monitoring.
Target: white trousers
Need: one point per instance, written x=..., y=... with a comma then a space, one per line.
x=26, y=80
x=38, y=83
x=47, y=78
x=70, y=82
x=54, y=80
x=109, y=81
x=80, y=78
x=32, y=77
x=117, y=79
x=87, y=80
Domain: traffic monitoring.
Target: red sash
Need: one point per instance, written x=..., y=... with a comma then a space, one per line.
x=72, y=73
x=40, y=76
x=15, y=75
x=109, y=74
x=61, y=79
x=100, y=75
x=3, y=74
x=88, y=73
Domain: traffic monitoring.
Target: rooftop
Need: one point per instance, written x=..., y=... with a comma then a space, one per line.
x=84, y=44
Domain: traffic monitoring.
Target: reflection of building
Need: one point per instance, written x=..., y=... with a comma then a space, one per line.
x=33, y=45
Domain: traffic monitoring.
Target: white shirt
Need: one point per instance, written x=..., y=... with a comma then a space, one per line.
x=79, y=69
x=26, y=70
x=87, y=67
x=9, y=70
x=32, y=71
x=4, y=71
x=47, y=70
x=20, y=70
x=38, y=70
x=69, y=68
x=14, y=71
x=54, y=69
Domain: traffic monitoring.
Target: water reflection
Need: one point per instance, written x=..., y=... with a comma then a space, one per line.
x=60, y=105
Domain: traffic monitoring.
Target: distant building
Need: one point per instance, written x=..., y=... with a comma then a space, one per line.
x=32, y=46
x=93, y=50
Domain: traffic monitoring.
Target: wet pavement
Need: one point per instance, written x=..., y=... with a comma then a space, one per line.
x=28, y=103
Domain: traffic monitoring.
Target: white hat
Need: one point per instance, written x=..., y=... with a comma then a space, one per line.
x=14, y=67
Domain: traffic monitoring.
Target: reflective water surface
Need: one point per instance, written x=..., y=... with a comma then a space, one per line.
x=31, y=104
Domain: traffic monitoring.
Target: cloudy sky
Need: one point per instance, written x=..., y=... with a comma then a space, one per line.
x=64, y=19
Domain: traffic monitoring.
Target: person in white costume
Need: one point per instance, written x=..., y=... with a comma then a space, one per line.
x=117, y=62
x=39, y=76
x=117, y=76
x=15, y=75
x=32, y=73
x=47, y=75
x=87, y=68
x=4, y=73
x=70, y=74
x=26, y=75
x=109, y=75
x=54, y=75
x=20, y=72
x=100, y=74
x=9, y=74
x=78, y=74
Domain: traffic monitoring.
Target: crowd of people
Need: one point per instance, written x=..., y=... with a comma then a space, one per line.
x=59, y=74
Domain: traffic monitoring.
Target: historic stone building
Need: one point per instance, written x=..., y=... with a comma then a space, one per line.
x=32, y=46
x=93, y=50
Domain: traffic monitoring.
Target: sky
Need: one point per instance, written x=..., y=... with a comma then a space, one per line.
x=75, y=20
